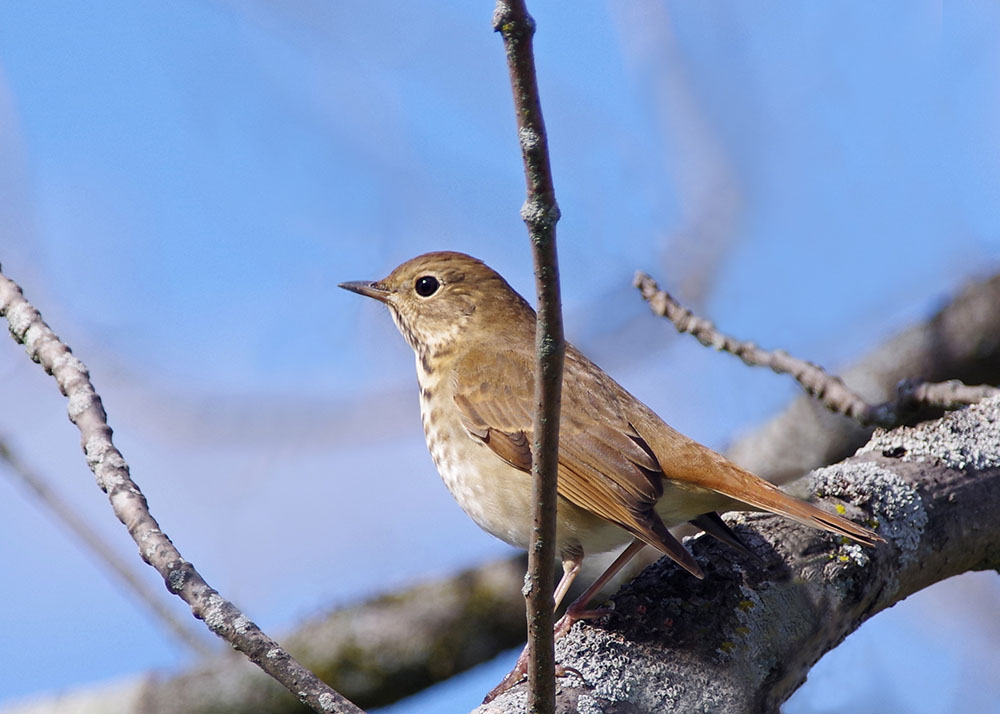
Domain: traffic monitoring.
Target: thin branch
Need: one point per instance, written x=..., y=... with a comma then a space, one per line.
x=540, y=214
x=829, y=389
x=129, y=505
x=101, y=549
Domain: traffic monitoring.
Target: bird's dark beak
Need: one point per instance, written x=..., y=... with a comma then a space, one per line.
x=362, y=287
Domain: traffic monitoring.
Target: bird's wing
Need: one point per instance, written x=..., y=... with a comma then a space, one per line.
x=685, y=461
x=605, y=467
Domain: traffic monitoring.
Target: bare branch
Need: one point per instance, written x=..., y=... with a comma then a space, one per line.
x=101, y=549
x=828, y=389
x=540, y=214
x=742, y=640
x=129, y=505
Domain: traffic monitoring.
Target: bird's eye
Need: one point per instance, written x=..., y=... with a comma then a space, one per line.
x=426, y=285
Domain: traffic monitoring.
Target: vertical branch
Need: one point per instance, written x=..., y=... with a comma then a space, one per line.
x=540, y=214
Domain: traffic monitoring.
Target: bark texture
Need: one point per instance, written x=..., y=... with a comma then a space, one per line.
x=744, y=639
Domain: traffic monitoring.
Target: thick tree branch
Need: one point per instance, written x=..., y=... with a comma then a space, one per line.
x=830, y=390
x=129, y=505
x=743, y=640
x=540, y=214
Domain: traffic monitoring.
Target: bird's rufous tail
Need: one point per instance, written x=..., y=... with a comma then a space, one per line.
x=765, y=496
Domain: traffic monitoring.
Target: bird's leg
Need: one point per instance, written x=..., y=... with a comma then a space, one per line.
x=576, y=611
x=571, y=563
x=578, y=608
x=571, y=568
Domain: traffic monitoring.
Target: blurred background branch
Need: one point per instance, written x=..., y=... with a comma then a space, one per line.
x=960, y=341
x=374, y=653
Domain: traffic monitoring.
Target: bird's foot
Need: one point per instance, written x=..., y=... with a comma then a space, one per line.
x=573, y=615
x=513, y=677
x=516, y=675
x=561, y=629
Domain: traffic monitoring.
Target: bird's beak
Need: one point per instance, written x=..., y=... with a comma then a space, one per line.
x=372, y=290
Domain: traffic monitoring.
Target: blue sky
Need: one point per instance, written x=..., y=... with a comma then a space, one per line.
x=184, y=185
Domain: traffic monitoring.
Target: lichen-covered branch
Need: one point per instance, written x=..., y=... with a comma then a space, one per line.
x=129, y=505
x=829, y=389
x=540, y=214
x=742, y=640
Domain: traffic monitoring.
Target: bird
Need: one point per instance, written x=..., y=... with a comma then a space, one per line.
x=625, y=477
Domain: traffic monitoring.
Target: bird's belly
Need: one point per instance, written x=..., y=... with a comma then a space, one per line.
x=498, y=497
x=493, y=493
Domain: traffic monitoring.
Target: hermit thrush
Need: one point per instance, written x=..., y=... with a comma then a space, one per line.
x=624, y=475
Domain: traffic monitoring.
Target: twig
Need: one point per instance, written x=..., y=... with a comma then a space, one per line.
x=104, y=552
x=155, y=548
x=540, y=214
x=828, y=389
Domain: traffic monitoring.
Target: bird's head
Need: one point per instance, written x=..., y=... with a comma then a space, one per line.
x=436, y=298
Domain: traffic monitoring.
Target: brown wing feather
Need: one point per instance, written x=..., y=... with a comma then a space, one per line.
x=687, y=461
x=605, y=467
